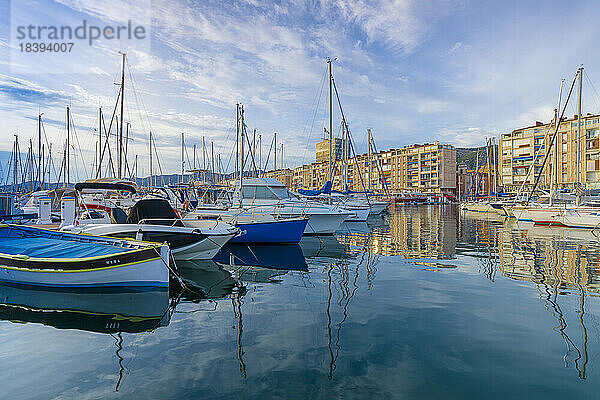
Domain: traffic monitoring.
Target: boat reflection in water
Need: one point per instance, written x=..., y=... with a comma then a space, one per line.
x=325, y=246
x=287, y=257
x=103, y=311
x=205, y=280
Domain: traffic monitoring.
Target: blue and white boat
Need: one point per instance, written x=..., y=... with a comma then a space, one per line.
x=254, y=227
x=41, y=257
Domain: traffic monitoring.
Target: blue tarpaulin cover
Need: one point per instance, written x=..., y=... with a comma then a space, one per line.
x=15, y=241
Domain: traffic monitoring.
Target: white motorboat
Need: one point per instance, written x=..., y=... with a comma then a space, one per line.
x=154, y=220
x=270, y=196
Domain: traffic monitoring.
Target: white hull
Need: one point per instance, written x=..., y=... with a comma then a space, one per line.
x=324, y=224
x=322, y=220
x=521, y=214
x=360, y=214
x=203, y=250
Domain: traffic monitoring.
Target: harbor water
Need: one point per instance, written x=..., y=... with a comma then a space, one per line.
x=426, y=302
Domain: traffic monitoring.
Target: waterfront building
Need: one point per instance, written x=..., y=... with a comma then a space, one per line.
x=570, y=160
x=284, y=175
x=322, y=150
x=428, y=168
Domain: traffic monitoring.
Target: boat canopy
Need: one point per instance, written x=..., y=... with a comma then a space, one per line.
x=107, y=184
x=151, y=209
x=272, y=182
x=27, y=242
x=326, y=189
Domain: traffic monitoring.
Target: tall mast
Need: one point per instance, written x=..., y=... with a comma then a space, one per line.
x=369, y=155
x=150, y=181
x=330, y=117
x=579, y=127
x=203, y=160
x=15, y=158
x=237, y=136
x=125, y=167
x=241, y=153
x=275, y=156
x=39, y=172
x=281, y=162
x=99, y=166
x=259, y=155
x=254, y=152
x=67, y=163
x=182, y=160
x=212, y=162
x=121, y=119
x=43, y=176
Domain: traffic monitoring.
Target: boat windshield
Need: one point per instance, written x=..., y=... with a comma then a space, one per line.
x=266, y=193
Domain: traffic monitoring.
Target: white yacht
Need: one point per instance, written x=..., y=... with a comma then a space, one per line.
x=270, y=196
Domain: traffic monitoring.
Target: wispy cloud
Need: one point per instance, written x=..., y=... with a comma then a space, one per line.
x=414, y=71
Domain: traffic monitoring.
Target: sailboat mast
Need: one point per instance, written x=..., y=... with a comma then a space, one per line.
x=121, y=119
x=259, y=155
x=579, y=127
x=237, y=136
x=330, y=116
x=212, y=161
x=203, y=160
x=275, y=157
x=99, y=166
x=67, y=163
x=182, y=161
x=39, y=172
x=241, y=153
x=15, y=159
x=150, y=181
x=370, y=157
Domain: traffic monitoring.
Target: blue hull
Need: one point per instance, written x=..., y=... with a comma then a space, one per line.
x=289, y=231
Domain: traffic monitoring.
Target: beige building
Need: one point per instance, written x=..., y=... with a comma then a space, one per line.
x=284, y=176
x=427, y=168
x=518, y=151
x=322, y=150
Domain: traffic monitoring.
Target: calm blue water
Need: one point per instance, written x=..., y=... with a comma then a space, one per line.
x=426, y=303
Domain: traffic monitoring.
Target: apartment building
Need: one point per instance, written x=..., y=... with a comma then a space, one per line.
x=573, y=158
x=428, y=168
x=284, y=176
x=322, y=150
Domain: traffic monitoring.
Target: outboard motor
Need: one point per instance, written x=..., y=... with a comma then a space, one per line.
x=67, y=211
x=44, y=210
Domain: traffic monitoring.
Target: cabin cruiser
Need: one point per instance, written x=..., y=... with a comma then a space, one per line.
x=268, y=195
x=154, y=220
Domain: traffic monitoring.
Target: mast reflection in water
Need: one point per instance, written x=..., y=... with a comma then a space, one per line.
x=426, y=302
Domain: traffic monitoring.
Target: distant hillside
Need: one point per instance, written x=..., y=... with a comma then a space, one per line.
x=468, y=155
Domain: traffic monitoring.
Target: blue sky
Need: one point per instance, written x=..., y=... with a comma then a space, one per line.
x=414, y=71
